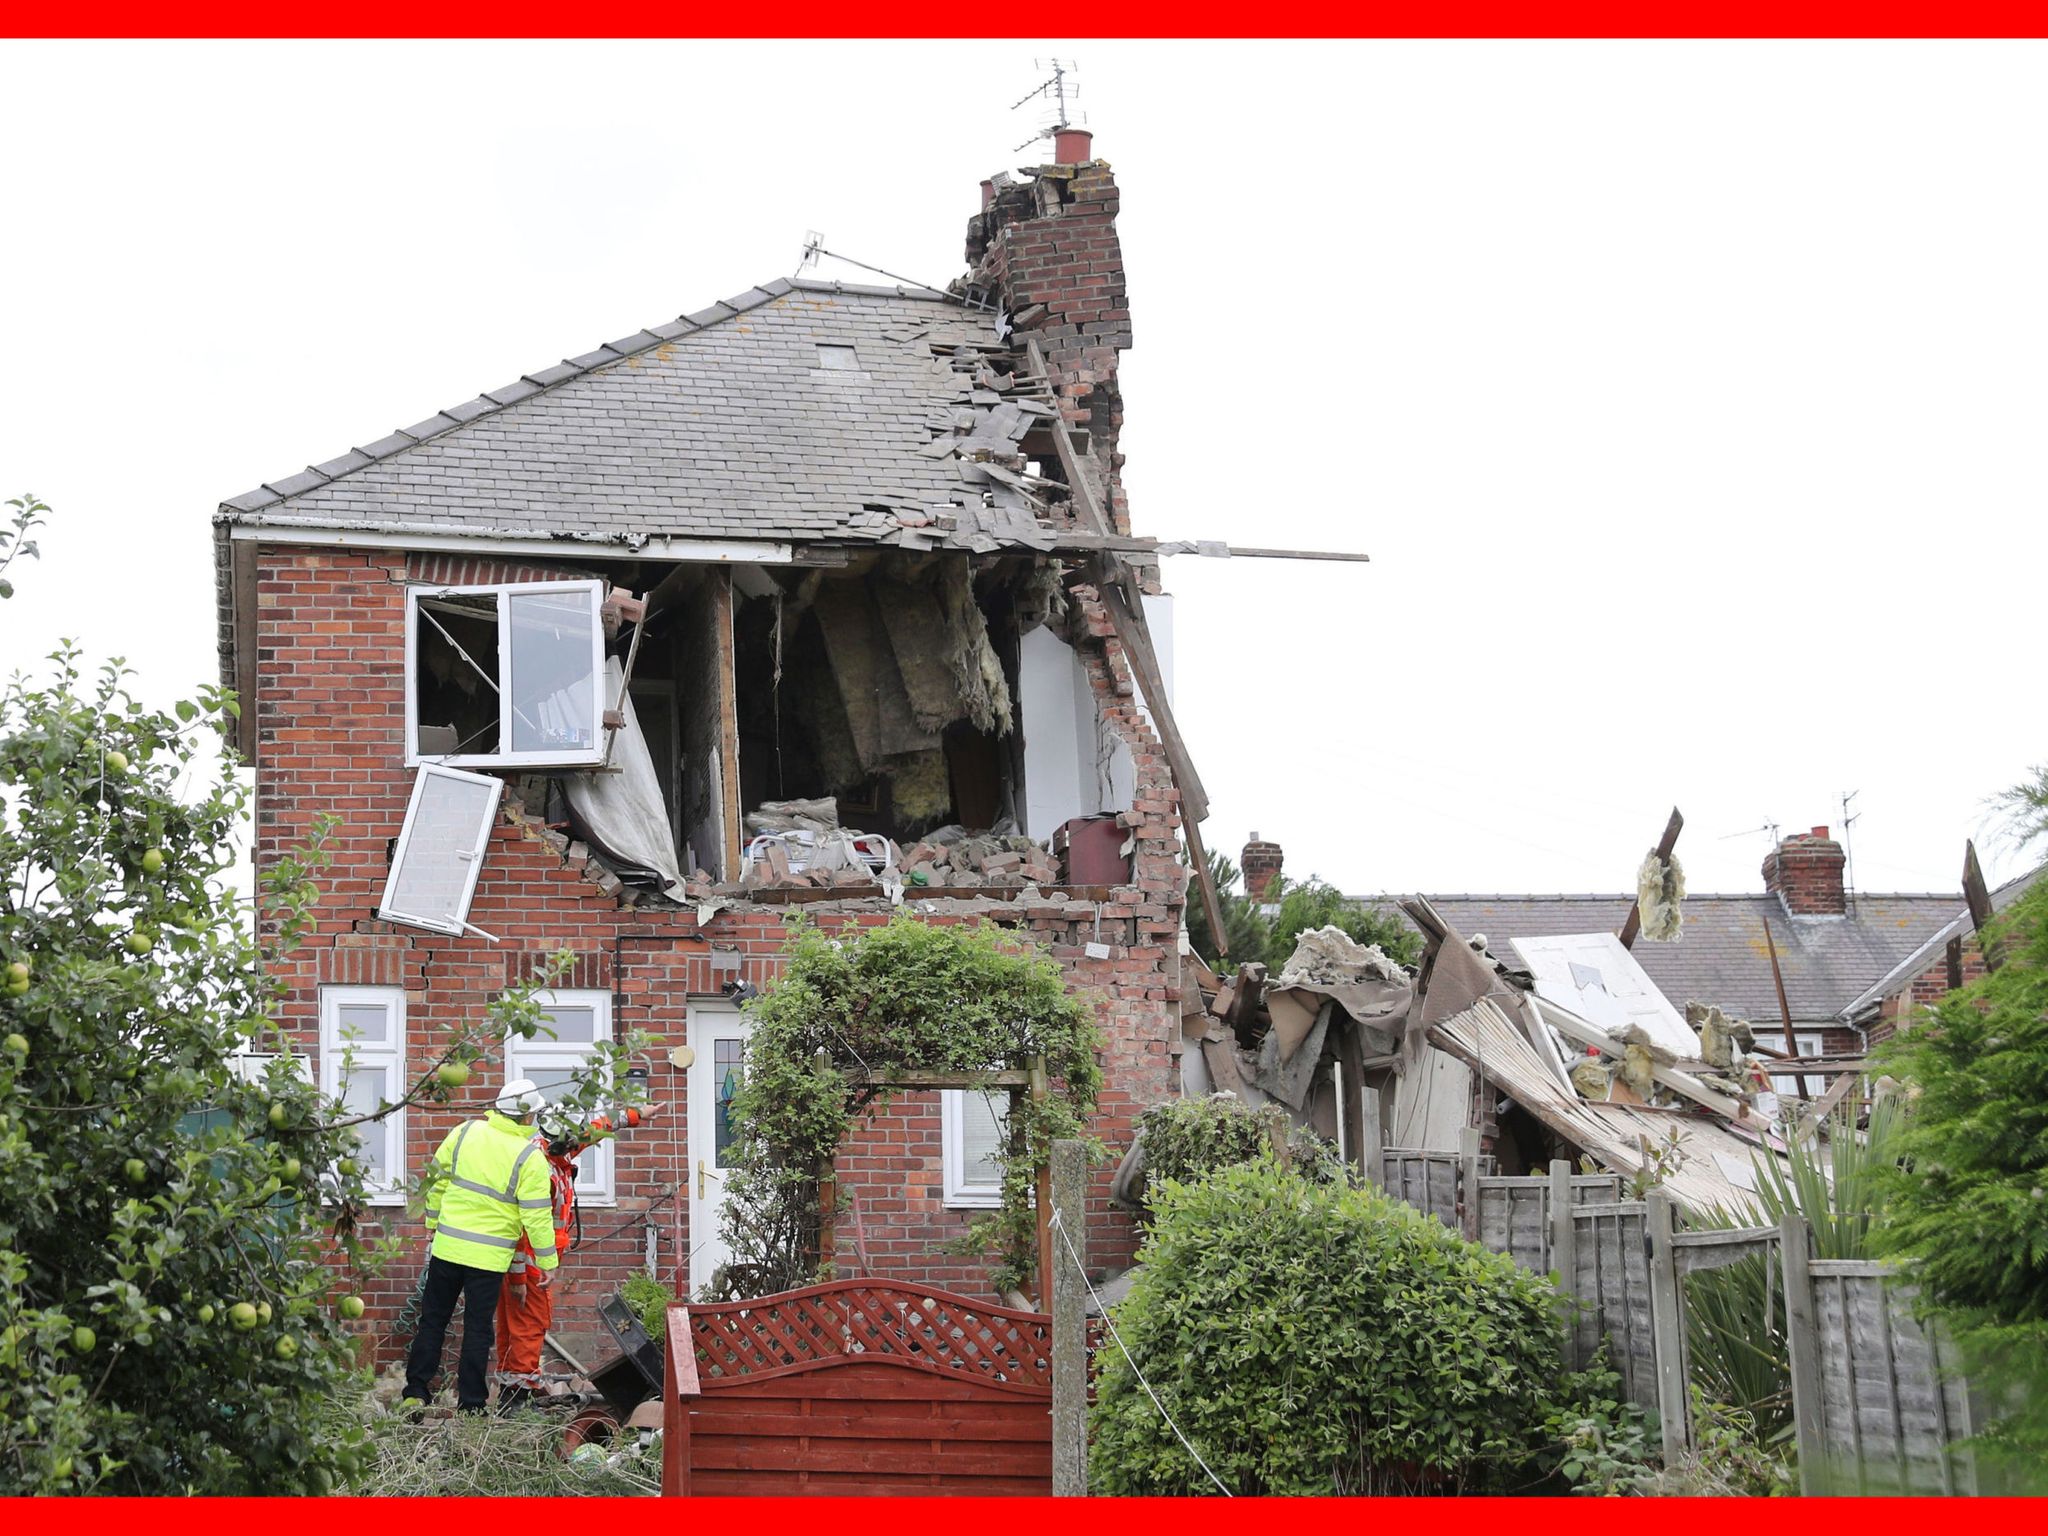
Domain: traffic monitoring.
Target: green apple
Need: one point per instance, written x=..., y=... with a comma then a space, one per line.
x=206, y=1312
x=138, y=942
x=263, y=1312
x=287, y=1347
x=17, y=1045
x=351, y=1307
x=453, y=1073
x=244, y=1315
x=152, y=861
x=16, y=988
x=83, y=1339
x=117, y=762
x=280, y=1117
x=136, y=1170
x=18, y=970
x=290, y=1171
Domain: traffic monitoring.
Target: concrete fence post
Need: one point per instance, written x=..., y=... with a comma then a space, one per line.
x=1070, y=1320
x=1564, y=1257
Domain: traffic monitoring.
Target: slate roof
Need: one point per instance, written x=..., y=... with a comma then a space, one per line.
x=1720, y=956
x=721, y=424
x=1931, y=950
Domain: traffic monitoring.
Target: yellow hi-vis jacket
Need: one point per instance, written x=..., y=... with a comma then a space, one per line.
x=496, y=1187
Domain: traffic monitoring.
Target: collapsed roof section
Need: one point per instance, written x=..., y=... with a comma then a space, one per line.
x=1374, y=1059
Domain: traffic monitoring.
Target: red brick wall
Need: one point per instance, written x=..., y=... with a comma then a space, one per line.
x=1928, y=988
x=330, y=712
x=1053, y=241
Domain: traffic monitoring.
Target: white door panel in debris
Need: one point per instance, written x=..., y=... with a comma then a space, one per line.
x=441, y=850
x=1594, y=977
x=718, y=1036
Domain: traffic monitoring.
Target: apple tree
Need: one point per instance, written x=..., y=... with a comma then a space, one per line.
x=170, y=1180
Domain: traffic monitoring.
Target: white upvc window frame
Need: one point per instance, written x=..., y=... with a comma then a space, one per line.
x=504, y=757
x=596, y=1168
x=1784, y=1081
x=387, y=1055
x=961, y=1194
x=454, y=924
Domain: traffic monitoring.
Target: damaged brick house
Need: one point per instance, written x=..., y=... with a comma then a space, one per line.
x=547, y=653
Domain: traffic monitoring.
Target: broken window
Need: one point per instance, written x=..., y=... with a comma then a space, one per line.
x=440, y=850
x=505, y=675
x=973, y=1124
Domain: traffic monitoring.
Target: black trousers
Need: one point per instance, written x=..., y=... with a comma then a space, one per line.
x=478, y=1289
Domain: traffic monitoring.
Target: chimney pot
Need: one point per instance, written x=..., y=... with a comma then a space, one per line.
x=988, y=193
x=1070, y=146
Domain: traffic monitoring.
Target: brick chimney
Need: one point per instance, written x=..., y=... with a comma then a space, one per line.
x=1260, y=862
x=1805, y=872
x=1044, y=247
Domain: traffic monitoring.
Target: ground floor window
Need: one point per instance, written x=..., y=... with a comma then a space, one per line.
x=581, y=1020
x=973, y=1124
x=362, y=1063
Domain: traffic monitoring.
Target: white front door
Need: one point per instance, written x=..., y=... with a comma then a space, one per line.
x=718, y=1034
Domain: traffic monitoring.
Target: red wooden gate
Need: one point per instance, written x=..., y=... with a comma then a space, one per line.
x=857, y=1387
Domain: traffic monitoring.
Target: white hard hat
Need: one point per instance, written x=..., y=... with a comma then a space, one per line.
x=521, y=1096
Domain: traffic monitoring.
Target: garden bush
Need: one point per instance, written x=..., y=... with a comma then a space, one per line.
x=1189, y=1139
x=1318, y=1339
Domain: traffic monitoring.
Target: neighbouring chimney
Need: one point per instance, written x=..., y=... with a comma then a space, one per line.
x=1044, y=247
x=1260, y=862
x=1805, y=872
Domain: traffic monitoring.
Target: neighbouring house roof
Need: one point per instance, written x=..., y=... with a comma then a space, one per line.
x=1720, y=956
x=1929, y=954
x=726, y=423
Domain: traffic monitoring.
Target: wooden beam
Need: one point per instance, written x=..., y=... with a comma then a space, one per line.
x=907, y=1077
x=1667, y=1335
x=1802, y=1340
x=728, y=719
x=1041, y=1089
x=1784, y=1008
x=1665, y=844
x=1572, y=1028
x=1127, y=616
x=1978, y=895
x=1824, y=1106
x=1067, y=541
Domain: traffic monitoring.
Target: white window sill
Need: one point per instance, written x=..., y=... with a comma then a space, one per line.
x=973, y=1200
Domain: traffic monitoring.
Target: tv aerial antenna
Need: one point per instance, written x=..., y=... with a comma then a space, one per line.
x=1057, y=90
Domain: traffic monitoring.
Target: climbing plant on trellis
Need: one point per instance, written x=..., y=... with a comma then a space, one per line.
x=853, y=1020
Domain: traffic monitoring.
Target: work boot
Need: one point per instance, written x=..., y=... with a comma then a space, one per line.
x=513, y=1399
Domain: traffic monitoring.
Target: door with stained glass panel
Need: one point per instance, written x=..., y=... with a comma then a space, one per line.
x=718, y=1035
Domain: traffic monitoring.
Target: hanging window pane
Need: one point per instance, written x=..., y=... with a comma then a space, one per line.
x=440, y=849
x=553, y=678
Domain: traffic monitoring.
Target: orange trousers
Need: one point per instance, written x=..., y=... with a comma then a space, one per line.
x=526, y=1310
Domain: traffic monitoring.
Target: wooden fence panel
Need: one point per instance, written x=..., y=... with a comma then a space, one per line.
x=857, y=1387
x=1613, y=1280
x=1892, y=1405
x=1514, y=1219
x=1426, y=1180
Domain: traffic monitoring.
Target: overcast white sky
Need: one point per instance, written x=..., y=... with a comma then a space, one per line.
x=1688, y=398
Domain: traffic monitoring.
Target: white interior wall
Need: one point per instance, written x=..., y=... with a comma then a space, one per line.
x=1074, y=763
